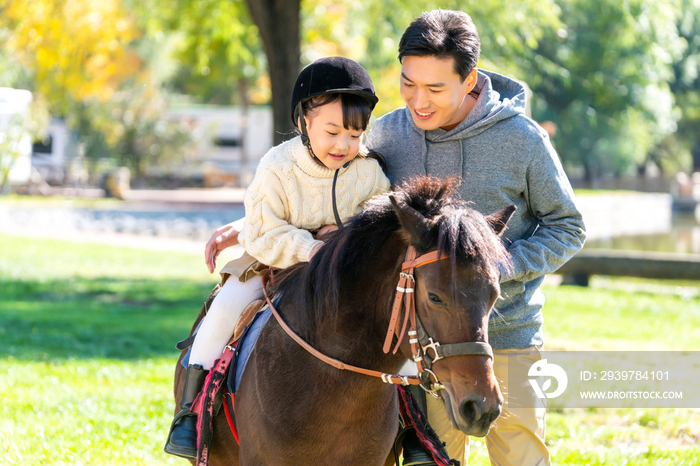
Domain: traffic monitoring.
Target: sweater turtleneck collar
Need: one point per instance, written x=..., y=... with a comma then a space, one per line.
x=306, y=162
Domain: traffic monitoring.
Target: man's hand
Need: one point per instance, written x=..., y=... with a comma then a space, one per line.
x=321, y=233
x=325, y=230
x=223, y=237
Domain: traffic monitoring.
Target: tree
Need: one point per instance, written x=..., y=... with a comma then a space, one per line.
x=78, y=52
x=136, y=134
x=678, y=148
x=278, y=23
x=603, y=78
x=366, y=31
x=77, y=49
x=94, y=64
x=218, y=49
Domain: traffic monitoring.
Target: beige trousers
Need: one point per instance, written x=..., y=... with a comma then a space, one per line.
x=517, y=436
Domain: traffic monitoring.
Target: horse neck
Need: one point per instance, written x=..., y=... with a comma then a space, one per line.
x=356, y=333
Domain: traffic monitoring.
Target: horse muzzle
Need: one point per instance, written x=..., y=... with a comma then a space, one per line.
x=474, y=413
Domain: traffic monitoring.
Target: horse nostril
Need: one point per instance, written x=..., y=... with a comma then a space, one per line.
x=471, y=410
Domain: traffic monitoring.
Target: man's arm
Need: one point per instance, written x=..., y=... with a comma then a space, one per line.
x=560, y=232
x=223, y=237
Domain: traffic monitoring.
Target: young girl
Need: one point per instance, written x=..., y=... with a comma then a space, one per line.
x=310, y=183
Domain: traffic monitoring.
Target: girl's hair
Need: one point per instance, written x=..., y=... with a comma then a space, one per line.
x=356, y=109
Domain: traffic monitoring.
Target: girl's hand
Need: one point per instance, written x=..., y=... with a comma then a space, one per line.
x=223, y=237
x=325, y=230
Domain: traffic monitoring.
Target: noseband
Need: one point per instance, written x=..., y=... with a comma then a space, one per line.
x=419, y=339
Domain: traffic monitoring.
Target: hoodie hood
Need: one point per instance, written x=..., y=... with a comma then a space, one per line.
x=499, y=98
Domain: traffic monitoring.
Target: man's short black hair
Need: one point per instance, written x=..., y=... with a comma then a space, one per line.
x=443, y=34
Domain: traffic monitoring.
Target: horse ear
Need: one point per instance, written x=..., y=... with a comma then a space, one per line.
x=499, y=220
x=411, y=220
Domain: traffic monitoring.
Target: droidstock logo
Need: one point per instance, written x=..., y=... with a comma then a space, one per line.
x=542, y=369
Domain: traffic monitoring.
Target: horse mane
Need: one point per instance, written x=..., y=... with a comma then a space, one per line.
x=455, y=229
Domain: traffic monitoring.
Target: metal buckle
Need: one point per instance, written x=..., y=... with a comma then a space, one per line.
x=434, y=386
x=433, y=345
x=406, y=275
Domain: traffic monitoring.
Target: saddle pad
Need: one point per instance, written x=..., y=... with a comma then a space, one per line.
x=246, y=345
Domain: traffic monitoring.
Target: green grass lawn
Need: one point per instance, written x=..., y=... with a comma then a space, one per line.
x=87, y=336
x=87, y=354
x=625, y=315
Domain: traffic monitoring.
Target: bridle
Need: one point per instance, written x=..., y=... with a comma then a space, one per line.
x=419, y=339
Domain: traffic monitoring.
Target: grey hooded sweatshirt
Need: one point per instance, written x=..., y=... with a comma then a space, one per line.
x=503, y=158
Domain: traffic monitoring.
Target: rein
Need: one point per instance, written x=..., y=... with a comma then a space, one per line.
x=418, y=338
x=386, y=378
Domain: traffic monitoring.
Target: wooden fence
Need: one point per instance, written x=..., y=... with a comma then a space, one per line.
x=643, y=264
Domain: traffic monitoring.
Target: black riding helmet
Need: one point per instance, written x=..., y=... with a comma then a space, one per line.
x=332, y=75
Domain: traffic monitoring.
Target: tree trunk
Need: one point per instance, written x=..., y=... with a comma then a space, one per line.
x=243, y=98
x=278, y=22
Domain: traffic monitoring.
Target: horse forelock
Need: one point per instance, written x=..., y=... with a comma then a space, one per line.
x=457, y=231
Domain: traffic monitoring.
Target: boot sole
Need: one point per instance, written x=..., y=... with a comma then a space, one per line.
x=182, y=452
x=419, y=461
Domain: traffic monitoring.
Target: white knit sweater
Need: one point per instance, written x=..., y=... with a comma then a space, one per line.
x=291, y=194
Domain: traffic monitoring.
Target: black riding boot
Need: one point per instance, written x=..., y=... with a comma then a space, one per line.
x=182, y=438
x=414, y=454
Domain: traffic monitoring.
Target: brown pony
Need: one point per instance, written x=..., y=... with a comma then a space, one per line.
x=293, y=409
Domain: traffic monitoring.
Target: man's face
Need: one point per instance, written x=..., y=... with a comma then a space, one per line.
x=434, y=92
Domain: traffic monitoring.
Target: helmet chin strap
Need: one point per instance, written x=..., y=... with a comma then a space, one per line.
x=304, y=135
x=335, y=204
x=307, y=143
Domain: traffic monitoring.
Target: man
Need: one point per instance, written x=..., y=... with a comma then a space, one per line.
x=469, y=123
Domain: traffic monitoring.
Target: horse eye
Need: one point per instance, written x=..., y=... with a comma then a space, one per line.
x=435, y=299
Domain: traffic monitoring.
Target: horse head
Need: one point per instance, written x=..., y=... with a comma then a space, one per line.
x=454, y=296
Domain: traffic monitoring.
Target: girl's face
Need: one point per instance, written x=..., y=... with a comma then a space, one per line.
x=331, y=142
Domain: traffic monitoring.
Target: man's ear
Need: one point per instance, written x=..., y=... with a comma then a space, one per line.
x=471, y=80
x=499, y=220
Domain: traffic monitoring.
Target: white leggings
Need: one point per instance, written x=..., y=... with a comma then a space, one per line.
x=218, y=326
